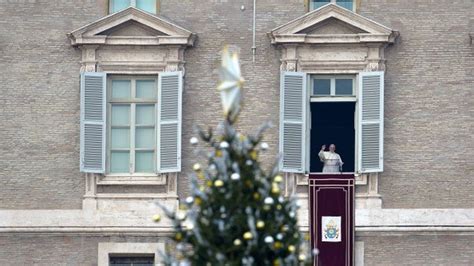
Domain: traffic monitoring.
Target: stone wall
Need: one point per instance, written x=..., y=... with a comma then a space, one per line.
x=418, y=249
x=46, y=250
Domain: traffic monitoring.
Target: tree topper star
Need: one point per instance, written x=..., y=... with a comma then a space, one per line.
x=231, y=83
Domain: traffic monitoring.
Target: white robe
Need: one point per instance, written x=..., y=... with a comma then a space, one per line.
x=332, y=161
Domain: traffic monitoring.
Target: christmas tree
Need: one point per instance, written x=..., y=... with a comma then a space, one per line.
x=236, y=214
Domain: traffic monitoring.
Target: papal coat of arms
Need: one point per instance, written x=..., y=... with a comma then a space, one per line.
x=331, y=228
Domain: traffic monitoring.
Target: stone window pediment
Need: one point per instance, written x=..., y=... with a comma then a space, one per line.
x=132, y=41
x=332, y=24
x=131, y=26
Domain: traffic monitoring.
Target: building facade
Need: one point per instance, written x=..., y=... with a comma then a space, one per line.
x=99, y=99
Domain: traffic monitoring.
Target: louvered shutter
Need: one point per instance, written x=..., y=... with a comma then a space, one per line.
x=293, y=105
x=370, y=96
x=170, y=90
x=92, y=137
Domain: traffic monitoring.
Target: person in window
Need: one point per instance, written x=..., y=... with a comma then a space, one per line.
x=332, y=161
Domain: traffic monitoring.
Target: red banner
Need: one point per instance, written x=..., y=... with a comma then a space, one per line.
x=331, y=199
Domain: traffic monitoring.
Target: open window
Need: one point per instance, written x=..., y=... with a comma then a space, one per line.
x=332, y=88
x=332, y=119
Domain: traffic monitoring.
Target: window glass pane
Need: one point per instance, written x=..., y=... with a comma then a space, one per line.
x=147, y=5
x=322, y=87
x=346, y=4
x=121, y=89
x=344, y=87
x=117, y=5
x=144, y=161
x=318, y=3
x=120, y=138
x=119, y=161
x=145, y=114
x=144, y=137
x=120, y=115
x=146, y=89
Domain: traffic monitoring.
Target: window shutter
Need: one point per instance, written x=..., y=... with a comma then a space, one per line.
x=92, y=136
x=370, y=96
x=293, y=105
x=170, y=90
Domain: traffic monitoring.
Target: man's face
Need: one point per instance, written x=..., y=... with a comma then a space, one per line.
x=332, y=147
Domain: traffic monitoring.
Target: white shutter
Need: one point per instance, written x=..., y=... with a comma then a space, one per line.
x=93, y=100
x=170, y=90
x=370, y=97
x=293, y=104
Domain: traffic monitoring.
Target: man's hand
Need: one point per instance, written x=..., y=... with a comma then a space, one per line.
x=323, y=148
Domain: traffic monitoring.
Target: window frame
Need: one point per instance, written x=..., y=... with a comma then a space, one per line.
x=309, y=5
x=133, y=3
x=126, y=248
x=353, y=98
x=333, y=97
x=132, y=103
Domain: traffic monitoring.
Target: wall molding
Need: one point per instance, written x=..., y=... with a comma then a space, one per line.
x=426, y=221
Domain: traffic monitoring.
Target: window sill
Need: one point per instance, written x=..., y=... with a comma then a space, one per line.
x=126, y=179
x=360, y=179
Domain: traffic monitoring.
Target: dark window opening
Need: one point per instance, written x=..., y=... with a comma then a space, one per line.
x=135, y=260
x=333, y=123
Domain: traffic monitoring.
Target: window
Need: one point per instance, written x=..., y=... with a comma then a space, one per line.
x=135, y=260
x=332, y=118
x=128, y=254
x=335, y=112
x=132, y=125
x=145, y=5
x=333, y=86
x=135, y=127
x=315, y=4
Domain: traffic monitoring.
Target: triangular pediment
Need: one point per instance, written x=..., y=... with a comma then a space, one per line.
x=132, y=26
x=332, y=24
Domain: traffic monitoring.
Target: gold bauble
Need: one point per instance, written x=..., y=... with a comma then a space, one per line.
x=253, y=155
x=218, y=153
x=276, y=262
x=248, y=236
x=209, y=183
x=291, y=248
x=197, y=201
x=256, y=196
x=237, y=242
x=156, y=218
x=278, y=179
x=279, y=207
x=278, y=245
x=196, y=167
x=275, y=188
x=178, y=236
x=302, y=257
x=260, y=224
x=218, y=183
